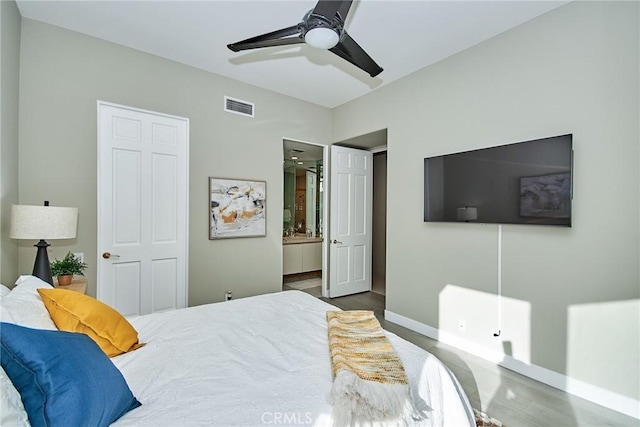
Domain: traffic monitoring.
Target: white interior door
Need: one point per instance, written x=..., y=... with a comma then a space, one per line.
x=311, y=203
x=350, y=225
x=142, y=209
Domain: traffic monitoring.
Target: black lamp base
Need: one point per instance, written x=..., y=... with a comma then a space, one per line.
x=41, y=267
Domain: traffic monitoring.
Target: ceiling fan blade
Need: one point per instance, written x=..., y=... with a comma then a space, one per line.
x=274, y=38
x=328, y=8
x=351, y=51
x=343, y=10
x=265, y=43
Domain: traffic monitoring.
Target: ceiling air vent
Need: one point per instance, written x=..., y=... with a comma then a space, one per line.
x=239, y=106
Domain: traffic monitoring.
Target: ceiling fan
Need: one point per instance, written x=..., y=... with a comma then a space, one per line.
x=323, y=28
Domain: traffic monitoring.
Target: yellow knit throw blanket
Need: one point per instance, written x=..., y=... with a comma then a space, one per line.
x=369, y=381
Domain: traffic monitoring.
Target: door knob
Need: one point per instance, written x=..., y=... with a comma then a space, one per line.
x=107, y=255
x=336, y=242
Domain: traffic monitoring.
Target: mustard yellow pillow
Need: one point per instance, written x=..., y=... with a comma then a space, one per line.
x=75, y=312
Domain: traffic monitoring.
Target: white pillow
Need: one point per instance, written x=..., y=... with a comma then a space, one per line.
x=4, y=314
x=12, y=411
x=25, y=307
x=3, y=291
x=27, y=279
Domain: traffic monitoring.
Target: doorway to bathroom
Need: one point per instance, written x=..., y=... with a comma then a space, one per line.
x=305, y=254
x=303, y=216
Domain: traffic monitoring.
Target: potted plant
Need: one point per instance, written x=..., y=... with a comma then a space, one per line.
x=65, y=268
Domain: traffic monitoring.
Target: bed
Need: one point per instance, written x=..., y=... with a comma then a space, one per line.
x=259, y=361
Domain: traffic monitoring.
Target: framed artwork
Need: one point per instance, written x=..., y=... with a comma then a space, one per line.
x=546, y=196
x=237, y=208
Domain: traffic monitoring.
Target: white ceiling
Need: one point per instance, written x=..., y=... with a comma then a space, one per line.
x=401, y=36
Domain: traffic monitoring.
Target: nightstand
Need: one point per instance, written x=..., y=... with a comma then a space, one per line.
x=78, y=285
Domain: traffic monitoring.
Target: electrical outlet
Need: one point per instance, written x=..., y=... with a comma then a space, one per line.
x=462, y=325
x=79, y=255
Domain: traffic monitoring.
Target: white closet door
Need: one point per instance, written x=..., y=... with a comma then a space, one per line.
x=142, y=209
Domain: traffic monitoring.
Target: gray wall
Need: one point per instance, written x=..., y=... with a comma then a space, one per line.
x=9, y=77
x=63, y=74
x=573, y=70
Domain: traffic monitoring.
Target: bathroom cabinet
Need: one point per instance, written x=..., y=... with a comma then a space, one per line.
x=301, y=257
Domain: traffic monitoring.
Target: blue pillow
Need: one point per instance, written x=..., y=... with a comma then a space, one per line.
x=63, y=378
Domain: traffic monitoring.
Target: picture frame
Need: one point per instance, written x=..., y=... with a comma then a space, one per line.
x=546, y=196
x=237, y=208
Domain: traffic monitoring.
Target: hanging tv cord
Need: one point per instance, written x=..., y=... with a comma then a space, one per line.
x=497, y=334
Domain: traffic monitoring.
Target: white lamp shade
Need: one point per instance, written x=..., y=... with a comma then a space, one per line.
x=467, y=214
x=321, y=38
x=43, y=222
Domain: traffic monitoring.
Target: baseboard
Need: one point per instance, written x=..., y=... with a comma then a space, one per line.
x=595, y=394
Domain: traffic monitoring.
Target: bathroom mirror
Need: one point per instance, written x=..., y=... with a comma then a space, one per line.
x=303, y=187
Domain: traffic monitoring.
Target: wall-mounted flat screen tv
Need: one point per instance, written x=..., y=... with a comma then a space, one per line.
x=528, y=182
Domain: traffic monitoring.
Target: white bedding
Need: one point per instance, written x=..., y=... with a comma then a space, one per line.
x=259, y=361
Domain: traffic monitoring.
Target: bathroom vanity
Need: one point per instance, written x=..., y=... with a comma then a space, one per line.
x=301, y=254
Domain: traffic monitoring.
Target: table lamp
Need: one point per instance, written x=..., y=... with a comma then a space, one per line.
x=43, y=222
x=467, y=214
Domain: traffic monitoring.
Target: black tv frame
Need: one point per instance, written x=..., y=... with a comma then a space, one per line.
x=549, y=178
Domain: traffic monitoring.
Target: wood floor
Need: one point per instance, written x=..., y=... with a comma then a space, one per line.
x=514, y=399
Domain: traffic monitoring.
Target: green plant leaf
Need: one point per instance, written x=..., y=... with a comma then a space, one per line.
x=70, y=264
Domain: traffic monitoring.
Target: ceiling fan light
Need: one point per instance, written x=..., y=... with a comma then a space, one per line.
x=321, y=38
